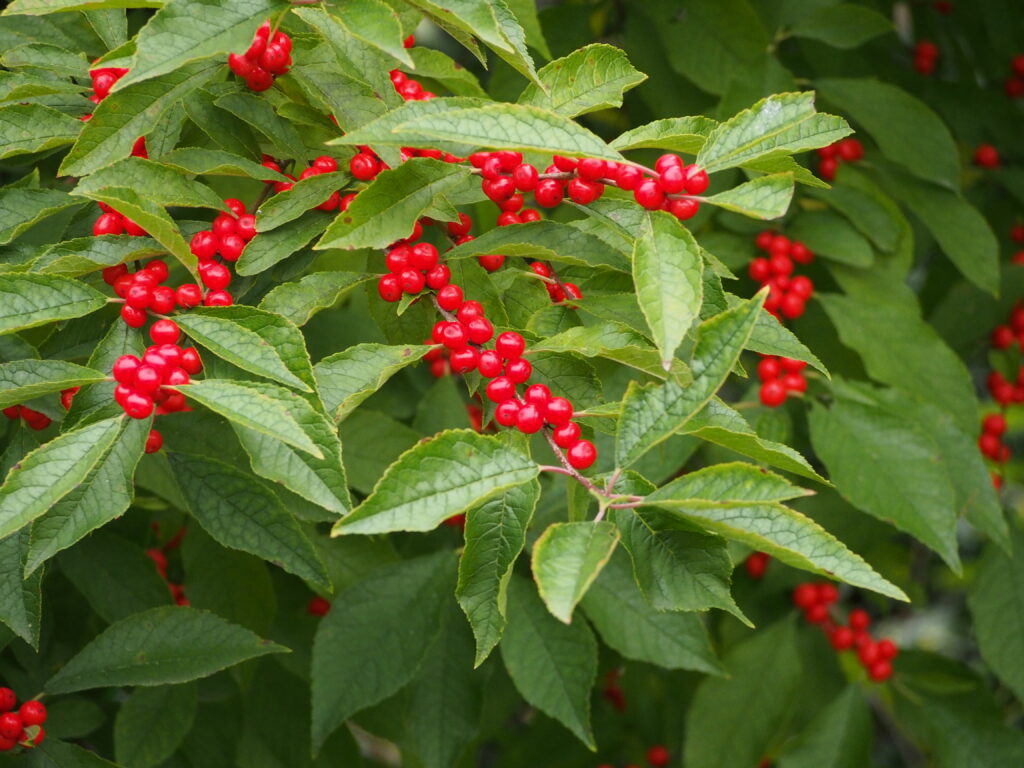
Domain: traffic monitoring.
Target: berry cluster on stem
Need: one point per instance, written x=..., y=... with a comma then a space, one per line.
x=779, y=376
x=20, y=725
x=265, y=59
x=788, y=293
x=847, y=150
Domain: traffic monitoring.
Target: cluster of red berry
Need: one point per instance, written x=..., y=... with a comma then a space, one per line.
x=159, y=557
x=409, y=89
x=226, y=238
x=23, y=725
x=926, y=53
x=658, y=756
x=847, y=150
x=34, y=419
x=1015, y=82
x=779, y=376
x=986, y=156
x=993, y=427
x=265, y=59
x=816, y=599
x=1003, y=391
x=558, y=291
x=788, y=293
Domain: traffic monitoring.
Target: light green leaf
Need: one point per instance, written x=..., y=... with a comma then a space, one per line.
x=24, y=207
x=262, y=407
x=162, y=185
x=46, y=56
x=615, y=342
x=766, y=197
x=783, y=123
x=83, y=255
x=842, y=26
x=255, y=340
x=376, y=23
x=651, y=415
x=121, y=118
x=676, y=134
x=51, y=471
x=242, y=513
x=292, y=203
x=567, y=558
x=630, y=626
x=23, y=380
x=300, y=300
x=588, y=79
x=393, y=614
x=152, y=722
x=667, y=269
x=547, y=240
x=553, y=665
x=839, y=736
x=160, y=646
x=266, y=250
x=770, y=337
x=438, y=478
x=217, y=162
x=42, y=7
x=27, y=128
x=495, y=535
x=734, y=481
x=347, y=378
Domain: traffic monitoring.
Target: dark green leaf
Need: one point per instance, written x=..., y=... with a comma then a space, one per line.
x=152, y=723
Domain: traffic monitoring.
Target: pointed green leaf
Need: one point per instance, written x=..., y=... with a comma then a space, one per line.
x=676, y=134
x=152, y=722
x=166, y=645
x=300, y=300
x=51, y=471
x=42, y=7
x=553, y=665
x=845, y=25
x=292, y=203
x=436, y=65
x=267, y=249
x=376, y=23
x=667, y=270
x=588, y=79
x=162, y=185
x=547, y=240
x=259, y=113
x=766, y=197
x=770, y=337
x=23, y=207
x=839, y=736
x=83, y=255
x=23, y=380
x=347, y=378
x=58, y=754
x=216, y=162
x=27, y=128
x=20, y=598
x=613, y=341
x=436, y=479
x=495, y=535
x=734, y=481
x=567, y=558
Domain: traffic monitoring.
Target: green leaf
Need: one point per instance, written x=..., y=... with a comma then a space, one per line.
x=913, y=359
x=907, y=131
x=676, y=134
x=171, y=38
x=160, y=646
x=51, y=471
x=376, y=23
x=20, y=598
x=438, y=478
x=262, y=407
x=833, y=237
x=842, y=26
x=766, y=197
x=639, y=632
x=547, y=240
x=217, y=162
x=781, y=124
x=300, y=300
x=885, y=465
x=393, y=614
x=615, y=342
x=103, y=496
x=23, y=380
x=84, y=255
x=651, y=415
x=152, y=722
x=261, y=116
x=163, y=185
x=839, y=736
x=242, y=513
x=734, y=481
x=347, y=378
x=733, y=720
x=58, y=754
x=255, y=340
x=588, y=79
x=553, y=665
x=27, y=128
x=997, y=607
x=438, y=66
x=121, y=118
x=267, y=249
x=46, y=56
x=667, y=269
x=495, y=535
x=41, y=7
x=567, y=558
x=23, y=207
x=292, y=203
x=770, y=337
x=388, y=209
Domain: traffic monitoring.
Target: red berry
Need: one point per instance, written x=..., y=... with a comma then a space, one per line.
x=792, y=306
x=800, y=253
x=548, y=193
x=887, y=650
x=204, y=245
x=231, y=246
x=769, y=368
x=986, y=156
x=817, y=614
x=827, y=593
x=994, y=423
x=827, y=168
x=672, y=180
x=649, y=195
x=223, y=225
x=461, y=227
x=363, y=166
x=108, y=224
x=154, y=442
x=868, y=654
x=629, y=177
x=842, y=638
x=581, y=454
x=8, y=700
x=850, y=150
x=566, y=435
x=165, y=332
x=454, y=336
x=423, y=256
x=318, y=606
x=529, y=419
x=584, y=192
x=134, y=318
x=411, y=280
x=492, y=262
x=464, y=360
x=558, y=411
x=664, y=162
x=880, y=671
x=11, y=725
x=773, y=393
x=537, y=394
x=794, y=382
x=859, y=620
x=189, y=295
x=501, y=389
x=792, y=365
x=510, y=345
x=658, y=756
x=215, y=276
x=389, y=288
x=489, y=364
x=696, y=180
x=684, y=208
x=805, y=596
x=760, y=269
x=802, y=286
x=438, y=277
x=191, y=361
x=449, y=297
x=507, y=412
x=246, y=226
x=519, y=370
x=164, y=299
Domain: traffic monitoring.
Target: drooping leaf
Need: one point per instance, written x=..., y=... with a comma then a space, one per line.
x=675, y=134
x=217, y=162
x=23, y=207
x=347, y=378
x=547, y=240
x=292, y=203
x=27, y=128
x=20, y=598
x=22, y=380
x=300, y=300
x=845, y=25
x=567, y=558
x=588, y=79
x=838, y=737
x=377, y=24
x=83, y=255
x=152, y=723
x=160, y=646
x=267, y=249
x=766, y=197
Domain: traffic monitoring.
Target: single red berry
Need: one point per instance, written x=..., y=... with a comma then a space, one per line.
x=364, y=166
x=995, y=424
x=859, y=620
x=525, y=177
x=154, y=442
x=887, y=650
x=805, y=596
x=507, y=412
x=510, y=345
x=567, y=435
x=479, y=330
x=868, y=654
x=164, y=299
x=529, y=419
x=792, y=306
x=666, y=161
x=215, y=276
x=246, y=226
x=658, y=756
x=489, y=364
x=827, y=168
x=794, y=382
x=492, y=262
x=817, y=614
x=11, y=725
x=134, y=318
x=842, y=638
x=792, y=365
x=800, y=253
x=769, y=368
x=449, y=297
x=649, y=195
x=165, y=332
x=204, y=245
x=558, y=411
x=464, y=360
x=629, y=177
x=423, y=256
x=6, y=745
x=880, y=671
x=191, y=361
x=850, y=150
x=389, y=288
x=684, y=208
x=537, y=394
x=189, y=295
x=500, y=389
x=548, y=193
x=584, y=192
x=318, y=606
x=231, y=246
x=411, y=280
x=469, y=310
x=519, y=370
x=696, y=180
x=397, y=259
x=581, y=454
x=827, y=593
x=224, y=224
x=8, y=700
x=454, y=335
x=438, y=276
x=773, y=393
x=760, y=269
x=986, y=156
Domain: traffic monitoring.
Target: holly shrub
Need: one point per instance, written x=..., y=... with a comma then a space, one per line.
x=384, y=385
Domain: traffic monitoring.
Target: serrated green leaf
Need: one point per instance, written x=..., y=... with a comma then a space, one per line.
x=292, y=203
x=766, y=197
x=676, y=134
x=152, y=722
x=388, y=209
x=347, y=378
x=103, y=496
x=783, y=124
x=770, y=337
x=553, y=665
x=636, y=630
x=22, y=380
x=734, y=481
x=266, y=250
x=83, y=255
x=163, y=186
x=262, y=407
x=833, y=237
x=217, y=162
x=51, y=471
x=255, y=340
x=58, y=754
x=260, y=115
x=42, y=7
x=242, y=513
x=27, y=128
x=121, y=118
x=444, y=476
x=376, y=23
x=46, y=56
x=173, y=644
x=23, y=207
x=300, y=300
x=667, y=270
x=393, y=614
x=20, y=598
x=495, y=534
x=652, y=415
x=613, y=341
x=588, y=79
x=567, y=558
x=839, y=736
x=436, y=65
x=171, y=38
